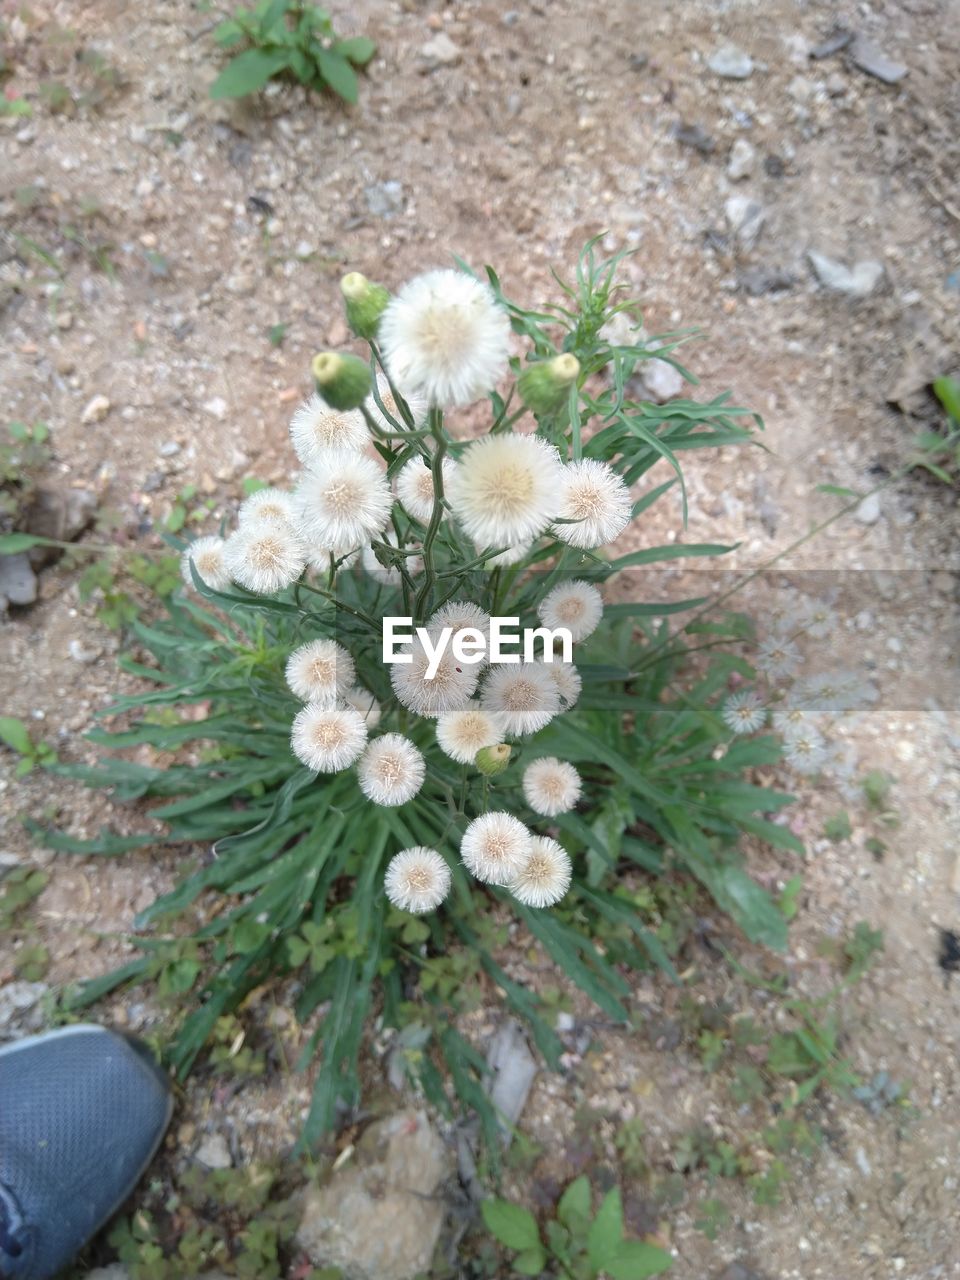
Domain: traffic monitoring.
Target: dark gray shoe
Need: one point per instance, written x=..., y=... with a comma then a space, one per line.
x=82, y=1111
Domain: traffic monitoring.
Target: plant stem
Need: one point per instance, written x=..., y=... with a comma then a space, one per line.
x=435, y=421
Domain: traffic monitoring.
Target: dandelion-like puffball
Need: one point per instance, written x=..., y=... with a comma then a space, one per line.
x=206, y=556
x=362, y=700
x=817, y=619
x=342, y=500
x=327, y=739
x=416, y=403
x=459, y=615
x=523, y=695
x=832, y=692
x=506, y=489
x=417, y=879
x=545, y=875
x=451, y=686
x=267, y=507
x=495, y=847
x=391, y=770
x=264, y=558
x=567, y=679
x=793, y=717
x=744, y=712
x=415, y=489
x=595, y=497
x=806, y=751
x=445, y=336
x=316, y=427
x=461, y=734
x=578, y=606
x=320, y=671
x=551, y=786
x=777, y=657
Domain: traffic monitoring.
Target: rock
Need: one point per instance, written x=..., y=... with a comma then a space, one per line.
x=660, y=380
x=18, y=582
x=8, y=862
x=565, y=1023
x=731, y=63
x=97, y=409
x=80, y=654
x=216, y=407
x=169, y=449
x=214, y=1153
x=379, y=1216
x=242, y=284
x=61, y=514
x=440, y=52
x=742, y=161
x=868, y=512
x=871, y=59
x=746, y=218
x=857, y=282
x=65, y=320
x=837, y=40
x=19, y=1006
x=693, y=135
x=760, y=280
x=836, y=85
x=515, y=1070
x=384, y=199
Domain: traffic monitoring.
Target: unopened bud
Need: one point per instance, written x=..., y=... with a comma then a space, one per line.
x=543, y=386
x=493, y=760
x=365, y=303
x=343, y=380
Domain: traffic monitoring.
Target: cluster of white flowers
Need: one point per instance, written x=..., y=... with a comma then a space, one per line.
x=445, y=341
x=805, y=710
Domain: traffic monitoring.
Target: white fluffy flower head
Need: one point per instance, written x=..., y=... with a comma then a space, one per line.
x=578, y=606
x=495, y=847
x=744, y=712
x=264, y=557
x=391, y=770
x=342, y=500
x=316, y=427
x=267, y=507
x=778, y=657
x=593, y=495
x=459, y=615
x=461, y=734
x=806, y=751
x=206, y=556
x=320, y=671
x=445, y=336
x=415, y=487
x=451, y=686
x=567, y=679
x=417, y=879
x=327, y=739
x=506, y=489
x=551, y=786
x=545, y=875
x=523, y=696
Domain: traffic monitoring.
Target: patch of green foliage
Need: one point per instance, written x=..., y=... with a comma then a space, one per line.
x=939, y=451
x=23, y=460
x=292, y=41
x=15, y=735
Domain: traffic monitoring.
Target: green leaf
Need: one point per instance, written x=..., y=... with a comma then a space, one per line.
x=635, y=1260
x=752, y=907
x=12, y=543
x=247, y=73
x=947, y=391
x=574, y=1204
x=837, y=491
x=357, y=49
x=511, y=1224
x=337, y=73
x=606, y=1231
x=531, y=1262
x=15, y=734
x=673, y=551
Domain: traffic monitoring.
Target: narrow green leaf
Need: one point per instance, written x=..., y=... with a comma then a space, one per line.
x=12, y=543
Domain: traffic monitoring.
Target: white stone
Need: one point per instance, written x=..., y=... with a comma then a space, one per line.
x=731, y=63
x=96, y=410
x=868, y=512
x=857, y=281
x=743, y=160
x=214, y=1153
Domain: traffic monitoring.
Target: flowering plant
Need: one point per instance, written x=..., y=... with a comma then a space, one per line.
x=368, y=822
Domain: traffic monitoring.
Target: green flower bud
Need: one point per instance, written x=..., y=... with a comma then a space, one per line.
x=342, y=380
x=543, y=386
x=493, y=760
x=365, y=303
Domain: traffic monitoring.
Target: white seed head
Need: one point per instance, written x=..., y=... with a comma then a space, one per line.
x=362, y=700
x=544, y=877
x=391, y=770
x=452, y=685
x=778, y=657
x=320, y=671
x=445, y=336
x=417, y=879
x=316, y=427
x=327, y=739
x=264, y=558
x=578, y=606
x=806, y=751
x=524, y=696
x=551, y=786
x=459, y=615
x=595, y=497
x=342, y=500
x=267, y=507
x=568, y=680
x=415, y=487
x=744, y=712
x=495, y=847
x=416, y=403
x=461, y=734
x=206, y=556
x=506, y=489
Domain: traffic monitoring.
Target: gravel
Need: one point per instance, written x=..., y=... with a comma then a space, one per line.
x=730, y=62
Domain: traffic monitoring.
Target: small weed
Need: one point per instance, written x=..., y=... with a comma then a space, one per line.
x=22, y=462
x=106, y=580
x=936, y=452
x=838, y=828
x=15, y=734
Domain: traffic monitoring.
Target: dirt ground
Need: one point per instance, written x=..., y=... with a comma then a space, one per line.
x=550, y=124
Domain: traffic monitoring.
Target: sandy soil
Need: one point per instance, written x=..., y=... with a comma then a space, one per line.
x=222, y=220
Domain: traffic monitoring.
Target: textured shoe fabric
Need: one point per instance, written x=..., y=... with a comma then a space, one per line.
x=82, y=1111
